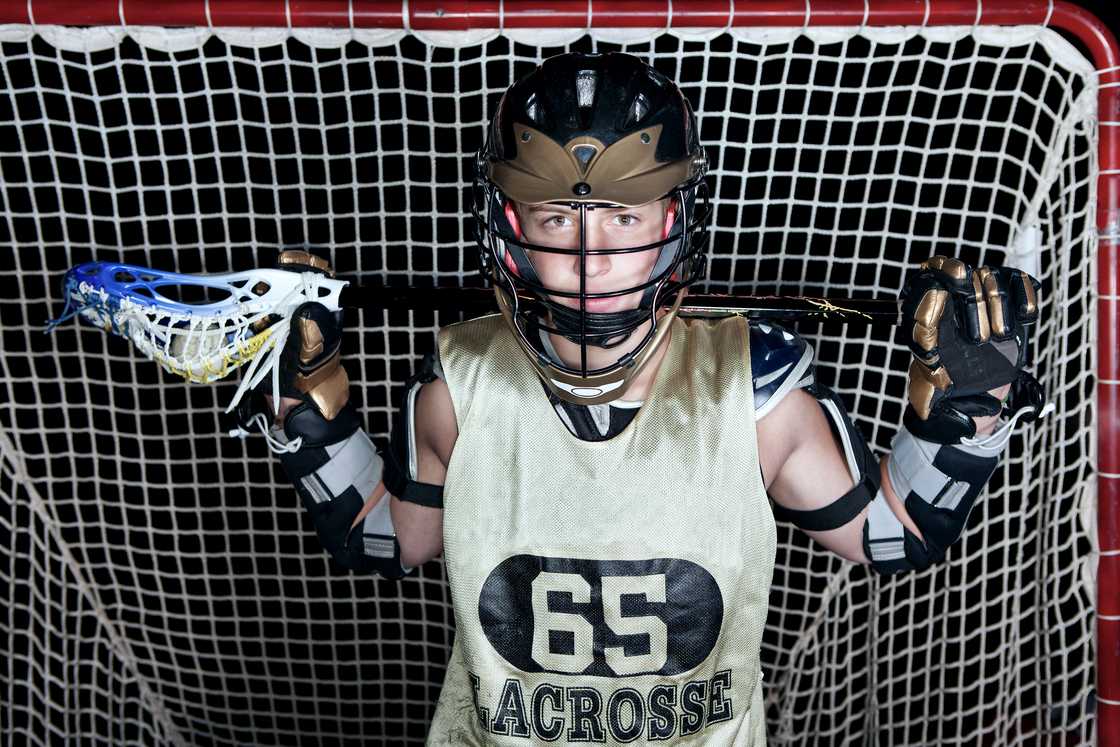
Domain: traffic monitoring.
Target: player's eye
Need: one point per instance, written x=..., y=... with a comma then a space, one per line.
x=557, y=221
x=626, y=219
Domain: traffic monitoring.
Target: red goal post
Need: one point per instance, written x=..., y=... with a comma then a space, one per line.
x=461, y=16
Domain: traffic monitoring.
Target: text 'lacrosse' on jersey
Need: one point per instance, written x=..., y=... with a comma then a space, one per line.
x=612, y=592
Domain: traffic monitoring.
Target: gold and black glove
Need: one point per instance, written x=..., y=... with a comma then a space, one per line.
x=969, y=332
x=310, y=367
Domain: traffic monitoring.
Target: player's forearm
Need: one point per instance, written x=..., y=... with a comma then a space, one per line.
x=338, y=474
x=926, y=494
x=419, y=528
x=896, y=505
x=985, y=426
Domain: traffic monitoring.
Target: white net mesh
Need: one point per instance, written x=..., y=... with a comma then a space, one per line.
x=163, y=584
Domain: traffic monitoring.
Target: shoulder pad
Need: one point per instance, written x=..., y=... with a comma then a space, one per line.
x=780, y=361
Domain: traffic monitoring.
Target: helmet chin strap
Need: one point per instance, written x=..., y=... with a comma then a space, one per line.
x=601, y=330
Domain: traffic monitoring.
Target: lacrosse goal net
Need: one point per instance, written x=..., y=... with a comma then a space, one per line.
x=162, y=583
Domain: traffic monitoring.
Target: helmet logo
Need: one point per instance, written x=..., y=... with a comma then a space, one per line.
x=584, y=153
x=579, y=389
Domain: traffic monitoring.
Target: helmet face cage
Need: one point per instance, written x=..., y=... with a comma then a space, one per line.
x=681, y=261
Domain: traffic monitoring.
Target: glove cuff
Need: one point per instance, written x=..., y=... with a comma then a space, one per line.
x=951, y=420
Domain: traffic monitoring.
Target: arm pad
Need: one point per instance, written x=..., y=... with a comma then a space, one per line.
x=335, y=469
x=938, y=485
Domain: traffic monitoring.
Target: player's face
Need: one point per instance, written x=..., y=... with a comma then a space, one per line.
x=607, y=228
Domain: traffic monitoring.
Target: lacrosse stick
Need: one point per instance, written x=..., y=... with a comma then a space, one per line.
x=245, y=317
x=244, y=320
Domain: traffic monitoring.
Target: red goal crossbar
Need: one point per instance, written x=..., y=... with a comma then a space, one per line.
x=463, y=15
x=459, y=15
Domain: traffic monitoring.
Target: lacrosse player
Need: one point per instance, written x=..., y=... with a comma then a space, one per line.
x=602, y=476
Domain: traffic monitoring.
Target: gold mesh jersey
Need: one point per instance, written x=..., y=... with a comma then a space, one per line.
x=608, y=592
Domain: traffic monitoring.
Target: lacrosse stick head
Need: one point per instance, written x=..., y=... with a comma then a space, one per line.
x=199, y=327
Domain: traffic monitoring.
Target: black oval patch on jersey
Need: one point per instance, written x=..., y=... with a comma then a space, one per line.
x=599, y=617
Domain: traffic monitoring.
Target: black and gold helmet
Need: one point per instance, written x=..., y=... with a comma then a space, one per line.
x=591, y=131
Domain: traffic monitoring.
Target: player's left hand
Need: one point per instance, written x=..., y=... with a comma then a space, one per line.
x=967, y=329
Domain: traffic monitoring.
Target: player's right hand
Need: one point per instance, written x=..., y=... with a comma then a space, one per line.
x=310, y=365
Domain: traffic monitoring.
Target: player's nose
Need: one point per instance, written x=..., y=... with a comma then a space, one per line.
x=594, y=264
x=597, y=264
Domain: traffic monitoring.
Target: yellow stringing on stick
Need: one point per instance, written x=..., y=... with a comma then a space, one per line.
x=230, y=360
x=827, y=307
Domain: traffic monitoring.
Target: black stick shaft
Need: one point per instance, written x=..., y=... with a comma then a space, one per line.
x=852, y=310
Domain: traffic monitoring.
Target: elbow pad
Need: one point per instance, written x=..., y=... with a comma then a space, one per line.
x=335, y=468
x=938, y=484
x=782, y=361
